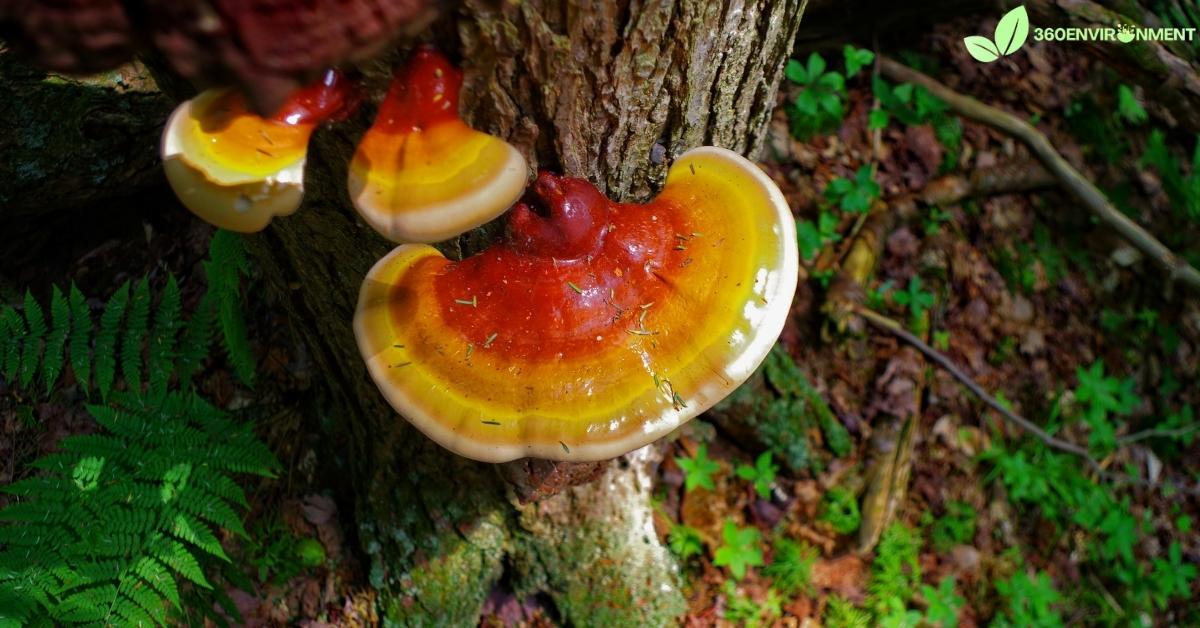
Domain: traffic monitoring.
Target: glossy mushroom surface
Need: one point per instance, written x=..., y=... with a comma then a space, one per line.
x=238, y=170
x=596, y=327
x=420, y=174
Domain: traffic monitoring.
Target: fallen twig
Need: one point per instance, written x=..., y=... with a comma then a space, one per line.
x=886, y=324
x=882, y=322
x=1068, y=176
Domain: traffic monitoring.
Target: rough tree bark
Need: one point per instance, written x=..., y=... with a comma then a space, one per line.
x=608, y=90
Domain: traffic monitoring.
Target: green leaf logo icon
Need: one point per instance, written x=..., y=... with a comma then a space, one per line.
x=1010, y=35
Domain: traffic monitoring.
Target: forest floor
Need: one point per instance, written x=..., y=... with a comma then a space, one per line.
x=1045, y=309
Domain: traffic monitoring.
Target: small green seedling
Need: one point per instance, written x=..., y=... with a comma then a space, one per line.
x=812, y=237
x=762, y=474
x=854, y=196
x=791, y=566
x=685, y=541
x=839, y=509
x=740, y=549
x=914, y=298
x=698, y=470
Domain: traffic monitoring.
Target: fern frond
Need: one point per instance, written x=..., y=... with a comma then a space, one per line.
x=81, y=337
x=118, y=518
x=31, y=353
x=12, y=337
x=106, y=339
x=161, y=354
x=56, y=341
x=227, y=263
x=196, y=340
x=136, y=324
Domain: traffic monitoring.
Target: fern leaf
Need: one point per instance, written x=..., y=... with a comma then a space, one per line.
x=196, y=340
x=226, y=264
x=161, y=354
x=156, y=575
x=146, y=599
x=56, y=341
x=106, y=339
x=192, y=530
x=12, y=336
x=32, y=351
x=136, y=324
x=81, y=337
x=173, y=554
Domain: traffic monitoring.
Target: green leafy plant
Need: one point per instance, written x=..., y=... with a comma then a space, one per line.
x=877, y=296
x=1103, y=397
x=813, y=237
x=34, y=350
x=914, y=298
x=1028, y=601
x=788, y=419
x=761, y=475
x=839, y=508
x=1128, y=106
x=820, y=105
x=840, y=613
x=698, y=470
x=274, y=552
x=854, y=195
x=943, y=603
x=914, y=105
x=856, y=59
x=1172, y=577
x=746, y=612
x=740, y=549
x=119, y=518
x=791, y=565
x=1182, y=189
x=896, y=572
x=685, y=541
x=1011, y=33
x=895, y=614
x=955, y=527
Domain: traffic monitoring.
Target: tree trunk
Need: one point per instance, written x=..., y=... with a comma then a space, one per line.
x=67, y=143
x=612, y=91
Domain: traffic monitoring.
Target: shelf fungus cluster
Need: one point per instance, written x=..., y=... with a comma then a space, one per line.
x=236, y=169
x=594, y=327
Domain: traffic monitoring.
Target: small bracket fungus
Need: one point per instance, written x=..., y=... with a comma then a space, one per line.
x=236, y=169
x=422, y=175
x=595, y=327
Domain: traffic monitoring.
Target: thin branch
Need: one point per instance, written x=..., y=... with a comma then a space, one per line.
x=1158, y=432
x=1068, y=176
x=886, y=324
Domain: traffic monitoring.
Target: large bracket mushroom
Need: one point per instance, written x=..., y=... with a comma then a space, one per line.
x=238, y=170
x=595, y=327
x=420, y=173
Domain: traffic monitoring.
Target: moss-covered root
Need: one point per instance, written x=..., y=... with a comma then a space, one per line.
x=594, y=550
